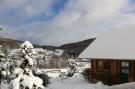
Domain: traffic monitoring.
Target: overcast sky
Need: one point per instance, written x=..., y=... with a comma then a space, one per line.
x=56, y=22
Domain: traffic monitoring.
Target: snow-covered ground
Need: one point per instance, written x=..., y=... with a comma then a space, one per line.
x=75, y=82
x=123, y=86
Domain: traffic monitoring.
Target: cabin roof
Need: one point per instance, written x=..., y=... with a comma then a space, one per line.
x=115, y=44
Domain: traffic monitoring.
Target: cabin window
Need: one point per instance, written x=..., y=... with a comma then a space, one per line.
x=99, y=65
x=125, y=64
x=125, y=67
x=102, y=65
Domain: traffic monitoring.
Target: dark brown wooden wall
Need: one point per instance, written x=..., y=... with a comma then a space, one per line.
x=112, y=76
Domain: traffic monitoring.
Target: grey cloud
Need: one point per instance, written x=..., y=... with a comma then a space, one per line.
x=79, y=20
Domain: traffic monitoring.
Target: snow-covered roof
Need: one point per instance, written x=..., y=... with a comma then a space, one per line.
x=115, y=44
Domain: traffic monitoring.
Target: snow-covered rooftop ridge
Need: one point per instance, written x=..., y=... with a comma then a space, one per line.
x=115, y=44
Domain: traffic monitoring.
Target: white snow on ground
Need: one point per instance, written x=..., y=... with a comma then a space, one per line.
x=123, y=86
x=53, y=75
x=75, y=82
x=4, y=86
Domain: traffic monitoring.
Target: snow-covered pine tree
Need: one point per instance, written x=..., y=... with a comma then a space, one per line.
x=24, y=74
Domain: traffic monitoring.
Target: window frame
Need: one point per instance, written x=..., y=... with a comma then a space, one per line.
x=102, y=65
x=99, y=65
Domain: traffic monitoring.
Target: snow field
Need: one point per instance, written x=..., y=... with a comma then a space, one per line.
x=75, y=82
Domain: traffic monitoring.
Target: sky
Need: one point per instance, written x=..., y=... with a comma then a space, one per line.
x=56, y=22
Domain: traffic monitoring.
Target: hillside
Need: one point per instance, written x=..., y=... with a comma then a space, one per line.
x=73, y=49
x=76, y=48
x=11, y=43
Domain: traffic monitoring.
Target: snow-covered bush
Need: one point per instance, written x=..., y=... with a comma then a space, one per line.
x=43, y=76
x=28, y=80
x=71, y=67
x=86, y=73
x=58, y=52
x=18, y=73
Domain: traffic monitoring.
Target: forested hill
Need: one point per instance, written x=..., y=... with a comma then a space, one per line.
x=76, y=48
x=71, y=48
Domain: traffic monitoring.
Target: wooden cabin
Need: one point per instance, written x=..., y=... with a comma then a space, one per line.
x=112, y=56
x=112, y=72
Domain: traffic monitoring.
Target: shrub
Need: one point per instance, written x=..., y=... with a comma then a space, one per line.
x=44, y=77
x=86, y=73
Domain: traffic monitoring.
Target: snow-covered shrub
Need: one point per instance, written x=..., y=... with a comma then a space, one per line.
x=86, y=73
x=71, y=67
x=43, y=76
x=18, y=72
x=28, y=80
x=4, y=72
x=38, y=84
x=58, y=52
x=63, y=73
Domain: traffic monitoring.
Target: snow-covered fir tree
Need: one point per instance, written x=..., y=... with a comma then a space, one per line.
x=24, y=75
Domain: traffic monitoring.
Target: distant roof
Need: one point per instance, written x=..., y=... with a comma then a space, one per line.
x=115, y=44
